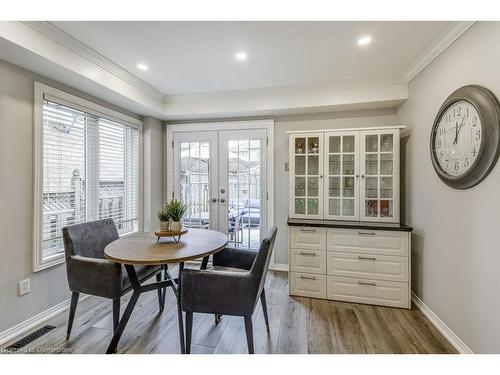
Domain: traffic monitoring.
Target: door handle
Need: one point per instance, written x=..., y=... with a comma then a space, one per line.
x=307, y=277
x=214, y=200
x=222, y=200
x=307, y=230
x=310, y=254
x=367, y=233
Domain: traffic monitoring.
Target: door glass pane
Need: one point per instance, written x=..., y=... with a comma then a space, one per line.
x=333, y=206
x=313, y=145
x=312, y=186
x=348, y=165
x=386, y=164
x=371, y=143
x=348, y=143
x=244, y=197
x=371, y=164
x=334, y=164
x=348, y=207
x=313, y=165
x=371, y=208
x=300, y=145
x=334, y=187
x=371, y=190
x=312, y=206
x=386, y=142
x=334, y=144
x=348, y=186
x=386, y=187
x=300, y=165
x=300, y=186
x=194, y=187
x=300, y=206
x=386, y=208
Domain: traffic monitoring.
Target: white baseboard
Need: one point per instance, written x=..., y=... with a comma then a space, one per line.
x=36, y=320
x=441, y=326
x=278, y=267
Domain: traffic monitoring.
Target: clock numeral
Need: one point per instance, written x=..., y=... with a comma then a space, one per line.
x=439, y=143
x=467, y=112
x=442, y=131
x=457, y=166
x=466, y=162
x=447, y=163
x=474, y=121
x=474, y=152
x=478, y=134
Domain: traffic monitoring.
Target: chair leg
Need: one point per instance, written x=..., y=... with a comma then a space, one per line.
x=160, y=292
x=264, y=308
x=217, y=318
x=116, y=313
x=189, y=330
x=72, y=310
x=249, y=331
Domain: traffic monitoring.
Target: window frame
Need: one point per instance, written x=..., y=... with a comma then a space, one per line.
x=42, y=92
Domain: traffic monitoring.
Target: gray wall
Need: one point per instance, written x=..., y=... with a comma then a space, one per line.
x=455, y=248
x=48, y=287
x=153, y=171
x=338, y=120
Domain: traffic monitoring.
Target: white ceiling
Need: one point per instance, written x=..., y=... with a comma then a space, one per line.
x=198, y=57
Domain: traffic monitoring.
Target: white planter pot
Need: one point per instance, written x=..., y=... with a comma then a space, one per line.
x=175, y=226
x=164, y=226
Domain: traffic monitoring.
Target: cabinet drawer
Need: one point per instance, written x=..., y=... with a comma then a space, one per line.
x=307, y=285
x=375, y=292
x=309, y=261
x=308, y=238
x=368, y=241
x=366, y=266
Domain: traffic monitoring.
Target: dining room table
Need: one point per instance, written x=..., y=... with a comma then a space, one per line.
x=145, y=249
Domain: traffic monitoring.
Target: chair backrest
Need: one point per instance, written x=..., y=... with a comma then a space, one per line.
x=89, y=239
x=261, y=262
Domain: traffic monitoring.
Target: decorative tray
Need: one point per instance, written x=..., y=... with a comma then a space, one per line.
x=176, y=235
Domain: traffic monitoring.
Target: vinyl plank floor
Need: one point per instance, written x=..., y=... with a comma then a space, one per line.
x=297, y=325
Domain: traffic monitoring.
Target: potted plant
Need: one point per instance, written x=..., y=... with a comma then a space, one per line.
x=176, y=210
x=164, y=218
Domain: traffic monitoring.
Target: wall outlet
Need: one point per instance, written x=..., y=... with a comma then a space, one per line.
x=24, y=287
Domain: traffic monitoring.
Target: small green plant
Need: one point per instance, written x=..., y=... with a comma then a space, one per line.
x=175, y=209
x=163, y=215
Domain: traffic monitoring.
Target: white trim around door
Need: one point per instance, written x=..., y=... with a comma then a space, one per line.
x=196, y=128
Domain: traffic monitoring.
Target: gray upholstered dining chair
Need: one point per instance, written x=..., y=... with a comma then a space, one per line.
x=90, y=273
x=232, y=287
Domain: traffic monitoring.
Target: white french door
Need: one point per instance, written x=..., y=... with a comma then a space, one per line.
x=222, y=177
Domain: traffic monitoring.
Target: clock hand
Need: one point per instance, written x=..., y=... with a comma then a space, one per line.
x=459, y=129
x=456, y=133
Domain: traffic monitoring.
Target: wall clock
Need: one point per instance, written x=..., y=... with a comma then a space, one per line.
x=465, y=137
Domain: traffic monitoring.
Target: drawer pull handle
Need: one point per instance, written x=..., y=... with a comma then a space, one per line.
x=307, y=277
x=366, y=258
x=367, y=283
x=310, y=254
x=308, y=230
x=367, y=233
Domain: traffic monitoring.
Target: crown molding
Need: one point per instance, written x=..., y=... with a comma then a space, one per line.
x=450, y=35
x=57, y=35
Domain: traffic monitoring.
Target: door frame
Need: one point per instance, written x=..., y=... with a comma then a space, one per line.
x=267, y=124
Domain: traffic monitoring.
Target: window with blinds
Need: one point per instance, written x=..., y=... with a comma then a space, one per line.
x=90, y=171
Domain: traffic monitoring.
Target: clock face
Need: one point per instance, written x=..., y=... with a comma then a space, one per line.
x=458, y=138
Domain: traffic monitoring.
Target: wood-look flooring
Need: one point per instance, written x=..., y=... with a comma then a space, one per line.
x=298, y=325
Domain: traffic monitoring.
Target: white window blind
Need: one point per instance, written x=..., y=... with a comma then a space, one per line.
x=90, y=171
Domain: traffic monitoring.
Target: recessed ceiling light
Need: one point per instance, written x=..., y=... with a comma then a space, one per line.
x=142, y=67
x=241, y=56
x=364, y=40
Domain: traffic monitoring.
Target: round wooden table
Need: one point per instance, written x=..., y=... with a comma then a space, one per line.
x=144, y=249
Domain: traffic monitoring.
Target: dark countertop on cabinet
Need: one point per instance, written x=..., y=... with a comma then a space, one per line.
x=349, y=224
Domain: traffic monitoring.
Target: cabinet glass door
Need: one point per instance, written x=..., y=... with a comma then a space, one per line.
x=341, y=173
x=380, y=153
x=307, y=175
